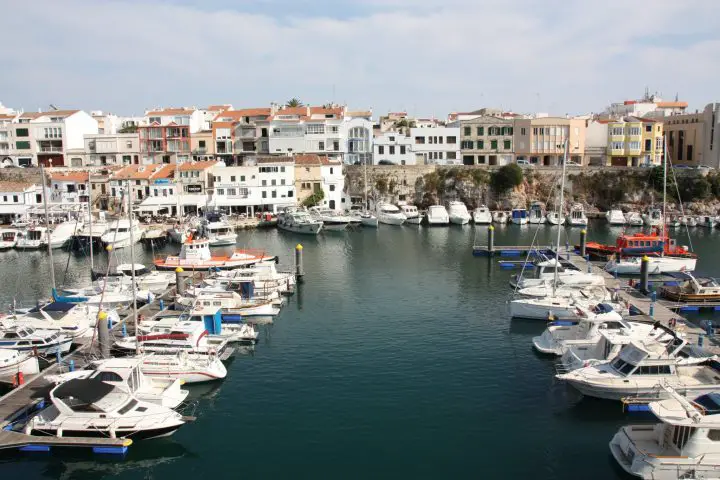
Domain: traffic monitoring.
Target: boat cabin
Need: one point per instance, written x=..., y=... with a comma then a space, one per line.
x=91, y=396
x=19, y=337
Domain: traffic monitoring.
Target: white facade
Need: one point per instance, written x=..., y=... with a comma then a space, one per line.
x=393, y=147
x=192, y=117
x=265, y=185
x=112, y=149
x=333, y=184
x=17, y=198
x=436, y=145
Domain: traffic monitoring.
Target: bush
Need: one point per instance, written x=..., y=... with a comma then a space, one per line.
x=314, y=199
x=506, y=177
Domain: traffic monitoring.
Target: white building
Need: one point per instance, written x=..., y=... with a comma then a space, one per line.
x=17, y=198
x=393, y=147
x=648, y=106
x=436, y=145
x=68, y=187
x=191, y=117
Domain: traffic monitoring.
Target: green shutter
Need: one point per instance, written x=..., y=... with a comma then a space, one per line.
x=508, y=144
x=510, y=130
x=22, y=145
x=493, y=144
x=481, y=144
x=22, y=132
x=481, y=130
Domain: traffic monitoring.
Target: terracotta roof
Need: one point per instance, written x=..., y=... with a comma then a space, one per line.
x=219, y=108
x=51, y=113
x=271, y=159
x=14, y=186
x=145, y=172
x=4, y=116
x=359, y=113
x=245, y=112
x=197, y=165
x=314, y=159
x=671, y=104
x=170, y=111
x=69, y=176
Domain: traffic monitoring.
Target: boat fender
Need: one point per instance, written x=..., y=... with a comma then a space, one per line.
x=213, y=352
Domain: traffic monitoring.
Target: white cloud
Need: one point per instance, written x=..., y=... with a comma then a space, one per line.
x=420, y=55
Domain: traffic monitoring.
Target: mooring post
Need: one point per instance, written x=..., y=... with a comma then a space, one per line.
x=299, y=271
x=491, y=240
x=179, y=281
x=583, y=240
x=644, y=274
x=103, y=334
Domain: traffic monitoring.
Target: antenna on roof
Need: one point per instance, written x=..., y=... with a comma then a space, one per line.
x=54, y=107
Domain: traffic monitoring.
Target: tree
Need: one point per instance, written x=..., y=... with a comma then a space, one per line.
x=314, y=199
x=506, y=177
x=294, y=102
x=128, y=129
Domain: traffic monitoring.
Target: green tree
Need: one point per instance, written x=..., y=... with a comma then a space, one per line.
x=506, y=177
x=293, y=102
x=128, y=129
x=314, y=199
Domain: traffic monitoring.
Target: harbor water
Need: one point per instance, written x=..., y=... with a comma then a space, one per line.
x=395, y=358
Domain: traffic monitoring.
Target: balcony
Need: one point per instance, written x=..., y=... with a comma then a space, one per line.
x=51, y=149
x=224, y=147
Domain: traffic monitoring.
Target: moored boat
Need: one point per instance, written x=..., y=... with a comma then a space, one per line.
x=195, y=255
x=692, y=289
x=482, y=216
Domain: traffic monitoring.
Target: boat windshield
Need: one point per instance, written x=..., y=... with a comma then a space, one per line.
x=622, y=367
x=710, y=402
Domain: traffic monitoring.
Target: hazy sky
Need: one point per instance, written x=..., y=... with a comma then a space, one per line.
x=425, y=57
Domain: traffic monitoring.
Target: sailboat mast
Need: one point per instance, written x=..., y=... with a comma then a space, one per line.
x=562, y=201
x=664, y=218
x=365, y=207
x=47, y=225
x=90, y=219
x=132, y=265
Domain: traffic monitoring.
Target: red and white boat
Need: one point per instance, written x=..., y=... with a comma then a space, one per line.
x=195, y=255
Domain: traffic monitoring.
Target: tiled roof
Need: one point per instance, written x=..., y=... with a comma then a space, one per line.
x=145, y=172
x=671, y=104
x=170, y=111
x=197, y=165
x=4, y=116
x=245, y=112
x=314, y=159
x=219, y=108
x=271, y=159
x=69, y=176
x=14, y=186
x=51, y=113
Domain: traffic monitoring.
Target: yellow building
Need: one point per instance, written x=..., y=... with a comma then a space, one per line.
x=634, y=142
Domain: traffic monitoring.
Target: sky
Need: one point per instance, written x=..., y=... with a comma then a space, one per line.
x=425, y=57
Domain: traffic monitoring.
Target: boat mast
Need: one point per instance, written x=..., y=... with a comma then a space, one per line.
x=562, y=200
x=132, y=266
x=90, y=219
x=664, y=218
x=365, y=206
x=47, y=225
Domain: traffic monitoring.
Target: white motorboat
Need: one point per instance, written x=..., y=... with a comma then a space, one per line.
x=63, y=233
x=684, y=444
x=653, y=217
x=537, y=213
x=220, y=232
x=367, y=219
x=331, y=220
x=117, y=295
x=232, y=303
x=99, y=227
x=458, y=213
x=232, y=330
x=13, y=362
x=32, y=238
x=596, y=292
x=299, y=221
x=437, y=215
x=656, y=265
x=641, y=366
x=8, y=238
x=567, y=274
x=63, y=318
x=673, y=221
x=519, y=216
x=707, y=221
x=390, y=214
x=501, y=217
x=554, y=218
x=264, y=276
x=190, y=368
x=126, y=374
x=190, y=337
x=553, y=307
x=412, y=215
x=688, y=221
x=28, y=339
x=146, y=279
x=615, y=217
x=482, y=216
x=634, y=219
x=118, y=233
x=93, y=408
x=577, y=216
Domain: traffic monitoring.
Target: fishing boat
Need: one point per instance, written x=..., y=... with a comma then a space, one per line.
x=500, y=216
x=634, y=219
x=458, y=213
x=537, y=213
x=577, y=216
x=554, y=218
x=298, y=221
x=8, y=238
x=519, y=216
x=653, y=217
x=482, y=216
x=615, y=217
x=437, y=215
x=692, y=289
x=195, y=255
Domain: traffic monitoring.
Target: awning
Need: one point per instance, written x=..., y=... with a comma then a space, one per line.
x=14, y=209
x=198, y=200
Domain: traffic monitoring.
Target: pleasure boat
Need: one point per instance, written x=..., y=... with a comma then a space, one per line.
x=145, y=279
x=390, y=214
x=264, y=276
x=458, y=213
x=229, y=327
x=219, y=231
x=519, y=216
x=13, y=362
x=126, y=374
x=99, y=227
x=63, y=318
x=615, y=217
x=685, y=443
x=596, y=293
x=673, y=221
x=567, y=274
x=501, y=217
x=692, y=289
x=195, y=255
x=634, y=219
x=33, y=238
x=653, y=217
x=232, y=303
x=537, y=213
x=482, y=216
x=367, y=219
x=28, y=339
x=117, y=295
x=656, y=265
x=118, y=233
x=8, y=238
x=577, y=216
x=706, y=221
x=93, y=408
x=554, y=218
x=63, y=233
x=553, y=307
x=330, y=219
x=412, y=215
x=642, y=365
x=190, y=368
x=688, y=221
x=437, y=215
x=299, y=221
x=190, y=337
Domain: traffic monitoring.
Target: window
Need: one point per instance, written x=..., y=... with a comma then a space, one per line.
x=264, y=194
x=467, y=131
x=507, y=144
x=381, y=150
x=137, y=182
x=714, y=435
x=282, y=181
x=264, y=183
x=634, y=145
x=466, y=144
x=221, y=191
x=451, y=155
x=332, y=188
x=282, y=169
x=535, y=131
x=634, y=131
x=15, y=199
x=522, y=131
x=420, y=140
x=440, y=139
x=22, y=145
x=331, y=170
x=155, y=192
x=618, y=145
x=231, y=191
x=480, y=131
x=392, y=149
x=336, y=145
x=315, y=128
x=681, y=435
x=402, y=149
x=616, y=131
x=290, y=194
x=451, y=140
x=493, y=144
x=648, y=144
x=242, y=178
x=22, y=132
x=481, y=144
x=321, y=145
x=201, y=144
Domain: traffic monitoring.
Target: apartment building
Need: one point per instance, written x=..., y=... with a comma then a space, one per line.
x=260, y=184
x=69, y=187
x=693, y=139
x=596, y=142
x=165, y=136
x=541, y=141
x=111, y=149
x=315, y=173
x=202, y=146
x=650, y=105
x=634, y=142
x=238, y=134
x=435, y=145
x=6, y=131
x=17, y=198
x=393, y=148
x=486, y=140
x=141, y=177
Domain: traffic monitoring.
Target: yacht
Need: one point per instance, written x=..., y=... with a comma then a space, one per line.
x=537, y=213
x=641, y=366
x=390, y=214
x=34, y=237
x=500, y=216
x=264, y=276
x=84, y=407
x=126, y=374
x=195, y=255
x=219, y=232
x=567, y=274
x=190, y=368
x=299, y=221
x=118, y=233
x=634, y=219
x=8, y=238
x=615, y=217
x=458, y=213
x=554, y=218
x=13, y=362
x=63, y=318
x=685, y=444
x=99, y=227
x=63, y=233
x=653, y=217
x=577, y=216
x=145, y=279
x=234, y=304
x=412, y=215
x=28, y=339
x=230, y=328
x=437, y=215
x=330, y=219
x=656, y=265
x=519, y=216
x=482, y=216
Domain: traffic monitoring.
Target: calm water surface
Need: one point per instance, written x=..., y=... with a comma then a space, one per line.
x=396, y=358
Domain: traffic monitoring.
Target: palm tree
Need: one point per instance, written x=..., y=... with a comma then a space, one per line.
x=294, y=102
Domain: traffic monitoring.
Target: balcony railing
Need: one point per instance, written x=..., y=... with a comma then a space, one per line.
x=51, y=149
